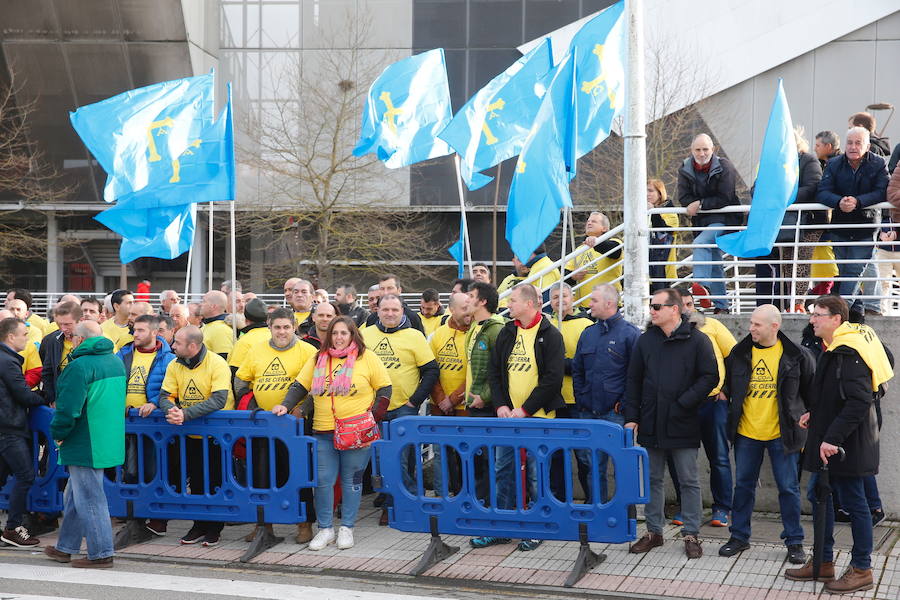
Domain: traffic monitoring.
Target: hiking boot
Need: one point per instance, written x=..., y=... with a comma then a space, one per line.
x=795, y=554
x=646, y=543
x=95, y=563
x=804, y=573
x=304, y=533
x=692, y=547
x=157, y=527
x=60, y=557
x=19, y=538
x=733, y=546
x=487, y=540
x=853, y=580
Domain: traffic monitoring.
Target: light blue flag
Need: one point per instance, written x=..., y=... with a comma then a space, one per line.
x=158, y=232
x=776, y=186
x=457, y=250
x=540, y=184
x=493, y=124
x=600, y=70
x=139, y=136
x=203, y=173
x=407, y=106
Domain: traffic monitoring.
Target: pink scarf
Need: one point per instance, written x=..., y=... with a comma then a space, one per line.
x=340, y=385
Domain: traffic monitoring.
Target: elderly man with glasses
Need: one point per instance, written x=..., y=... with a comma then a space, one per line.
x=671, y=372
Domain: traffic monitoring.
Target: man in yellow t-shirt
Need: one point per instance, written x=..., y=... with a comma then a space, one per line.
x=526, y=374
x=768, y=381
x=410, y=364
x=573, y=324
x=714, y=414
x=197, y=383
x=218, y=336
x=268, y=369
x=537, y=262
x=430, y=311
x=117, y=328
x=601, y=264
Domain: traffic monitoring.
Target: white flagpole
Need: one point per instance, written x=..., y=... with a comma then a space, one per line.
x=462, y=209
x=233, y=270
x=187, y=272
x=562, y=269
x=209, y=271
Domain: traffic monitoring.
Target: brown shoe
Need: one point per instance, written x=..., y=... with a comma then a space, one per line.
x=304, y=533
x=804, y=573
x=646, y=543
x=97, y=563
x=56, y=555
x=853, y=580
x=383, y=521
x=692, y=548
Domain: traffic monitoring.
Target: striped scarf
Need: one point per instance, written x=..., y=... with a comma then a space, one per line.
x=340, y=384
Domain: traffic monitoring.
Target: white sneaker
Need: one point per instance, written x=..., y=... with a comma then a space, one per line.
x=322, y=539
x=345, y=538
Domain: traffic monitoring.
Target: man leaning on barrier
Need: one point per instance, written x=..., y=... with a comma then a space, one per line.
x=671, y=374
x=197, y=383
x=768, y=383
x=599, y=373
x=526, y=374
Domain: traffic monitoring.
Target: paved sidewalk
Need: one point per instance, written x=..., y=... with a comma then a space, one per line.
x=754, y=574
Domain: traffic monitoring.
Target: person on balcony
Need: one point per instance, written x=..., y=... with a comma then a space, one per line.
x=661, y=242
x=601, y=264
x=706, y=181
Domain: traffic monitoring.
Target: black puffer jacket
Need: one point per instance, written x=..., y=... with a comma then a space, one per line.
x=796, y=370
x=668, y=380
x=50, y=351
x=715, y=191
x=843, y=413
x=15, y=396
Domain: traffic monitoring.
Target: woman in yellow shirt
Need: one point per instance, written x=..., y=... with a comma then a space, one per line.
x=344, y=381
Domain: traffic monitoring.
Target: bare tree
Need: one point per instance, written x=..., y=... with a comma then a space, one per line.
x=326, y=209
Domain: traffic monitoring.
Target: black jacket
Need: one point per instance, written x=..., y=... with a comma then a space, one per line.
x=550, y=355
x=355, y=312
x=810, y=176
x=843, y=413
x=50, y=351
x=414, y=320
x=868, y=184
x=715, y=191
x=668, y=380
x=796, y=370
x=15, y=396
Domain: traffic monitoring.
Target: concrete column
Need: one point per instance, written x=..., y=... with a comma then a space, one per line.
x=54, y=256
x=198, y=260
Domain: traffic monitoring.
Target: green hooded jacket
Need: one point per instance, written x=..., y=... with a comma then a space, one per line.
x=481, y=345
x=90, y=407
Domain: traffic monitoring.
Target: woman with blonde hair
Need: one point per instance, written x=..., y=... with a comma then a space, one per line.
x=661, y=242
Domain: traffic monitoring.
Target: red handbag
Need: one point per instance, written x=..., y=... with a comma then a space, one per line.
x=354, y=432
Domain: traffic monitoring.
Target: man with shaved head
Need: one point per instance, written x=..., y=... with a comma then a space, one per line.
x=218, y=335
x=706, y=181
x=768, y=380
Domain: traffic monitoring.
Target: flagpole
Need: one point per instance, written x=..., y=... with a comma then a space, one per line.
x=209, y=270
x=233, y=271
x=562, y=270
x=494, y=226
x=462, y=209
x=187, y=272
x=636, y=280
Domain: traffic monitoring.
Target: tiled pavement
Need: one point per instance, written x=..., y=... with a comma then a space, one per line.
x=754, y=574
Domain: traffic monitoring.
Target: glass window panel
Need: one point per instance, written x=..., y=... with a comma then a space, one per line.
x=232, y=30
x=543, y=16
x=495, y=23
x=439, y=23
x=592, y=6
x=280, y=26
x=484, y=65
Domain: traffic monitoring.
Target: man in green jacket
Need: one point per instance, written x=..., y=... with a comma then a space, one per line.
x=89, y=428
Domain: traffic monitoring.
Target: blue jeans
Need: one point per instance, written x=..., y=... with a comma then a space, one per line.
x=86, y=515
x=703, y=273
x=584, y=457
x=714, y=434
x=852, y=492
x=871, y=288
x=506, y=473
x=15, y=459
x=351, y=464
x=748, y=457
x=846, y=289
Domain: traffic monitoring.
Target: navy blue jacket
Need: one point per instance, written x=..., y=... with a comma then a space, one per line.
x=600, y=366
x=164, y=356
x=868, y=184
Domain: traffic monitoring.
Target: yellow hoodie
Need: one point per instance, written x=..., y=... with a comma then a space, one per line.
x=864, y=340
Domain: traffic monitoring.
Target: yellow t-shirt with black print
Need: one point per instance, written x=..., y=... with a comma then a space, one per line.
x=248, y=340
x=759, y=420
x=270, y=371
x=523, y=370
x=449, y=348
x=136, y=391
x=402, y=353
x=571, y=331
x=218, y=337
x=193, y=386
x=118, y=334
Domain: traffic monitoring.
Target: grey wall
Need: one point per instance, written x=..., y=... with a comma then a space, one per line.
x=888, y=329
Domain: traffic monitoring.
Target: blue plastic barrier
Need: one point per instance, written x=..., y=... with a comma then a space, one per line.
x=460, y=511
x=46, y=495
